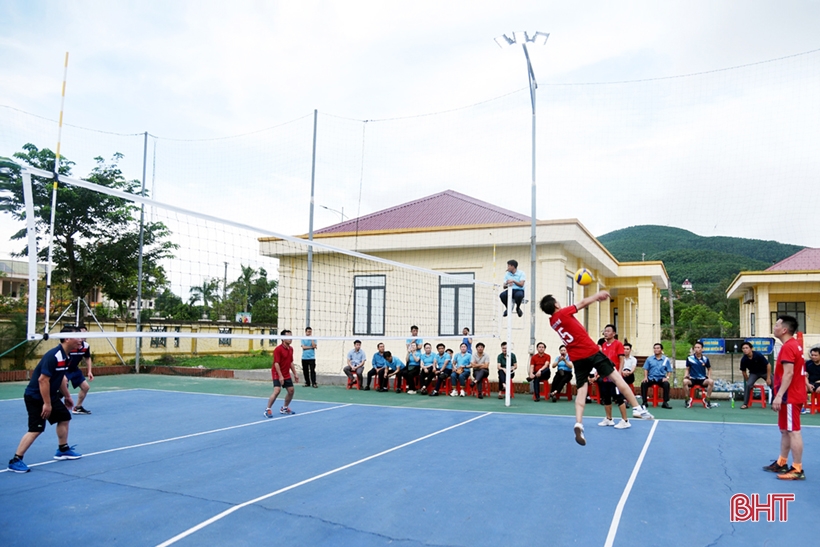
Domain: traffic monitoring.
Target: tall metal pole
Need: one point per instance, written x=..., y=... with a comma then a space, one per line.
x=672, y=332
x=533, y=259
x=138, y=342
x=310, y=229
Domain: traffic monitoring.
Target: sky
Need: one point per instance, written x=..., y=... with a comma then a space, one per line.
x=227, y=92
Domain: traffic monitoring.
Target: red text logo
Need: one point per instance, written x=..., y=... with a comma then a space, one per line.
x=775, y=507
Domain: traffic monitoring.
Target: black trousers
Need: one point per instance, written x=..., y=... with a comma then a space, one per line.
x=381, y=373
x=517, y=296
x=411, y=374
x=645, y=385
x=536, y=382
x=309, y=371
x=562, y=378
x=426, y=377
x=441, y=378
x=502, y=379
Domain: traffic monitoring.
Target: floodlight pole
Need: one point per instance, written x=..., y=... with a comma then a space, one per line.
x=524, y=38
x=310, y=229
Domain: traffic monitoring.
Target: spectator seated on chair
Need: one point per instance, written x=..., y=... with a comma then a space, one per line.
x=628, y=370
x=501, y=365
x=356, y=360
x=428, y=368
x=813, y=371
x=411, y=370
x=481, y=368
x=443, y=367
x=657, y=369
x=539, y=370
x=563, y=373
x=461, y=371
x=395, y=369
x=699, y=373
x=379, y=369
x=754, y=367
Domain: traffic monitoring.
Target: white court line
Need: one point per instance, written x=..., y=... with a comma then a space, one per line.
x=235, y=508
x=616, y=518
x=266, y=420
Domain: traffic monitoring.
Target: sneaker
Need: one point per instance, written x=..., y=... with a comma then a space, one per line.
x=666, y=406
x=462, y=394
x=81, y=410
x=286, y=410
x=706, y=404
x=775, y=468
x=17, y=465
x=792, y=475
x=579, y=434
x=805, y=411
x=67, y=455
x=642, y=413
x=434, y=393
x=454, y=393
x=411, y=391
x=623, y=424
x=268, y=414
x=688, y=403
x=605, y=422
x=366, y=388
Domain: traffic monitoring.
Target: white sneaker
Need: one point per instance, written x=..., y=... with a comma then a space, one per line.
x=579, y=434
x=605, y=422
x=462, y=394
x=454, y=393
x=623, y=424
x=411, y=392
x=642, y=413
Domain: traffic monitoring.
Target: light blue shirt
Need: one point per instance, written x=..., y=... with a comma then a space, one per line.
x=442, y=361
x=379, y=361
x=419, y=342
x=656, y=369
x=517, y=276
x=562, y=363
x=396, y=363
x=428, y=360
x=463, y=359
x=414, y=358
x=307, y=351
x=356, y=357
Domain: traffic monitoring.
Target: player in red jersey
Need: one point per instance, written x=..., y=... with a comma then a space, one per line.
x=790, y=394
x=284, y=374
x=586, y=356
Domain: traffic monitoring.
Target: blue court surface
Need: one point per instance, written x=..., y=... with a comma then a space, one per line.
x=191, y=469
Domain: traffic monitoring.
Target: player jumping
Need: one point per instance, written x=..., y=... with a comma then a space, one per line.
x=585, y=355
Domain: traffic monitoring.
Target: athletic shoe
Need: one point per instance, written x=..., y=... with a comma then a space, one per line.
x=268, y=414
x=17, y=465
x=775, y=468
x=688, y=403
x=805, y=411
x=286, y=410
x=411, y=391
x=519, y=312
x=454, y=393
x=605, y=422
x=623, y=424
x=579, y=434
x=462, y=394
x=642, y=413
x=366, y=388
x=706, y=404
x=434, y=393
x=792, y=475
x=67, y=455
x=666, y=406
x=81, y=410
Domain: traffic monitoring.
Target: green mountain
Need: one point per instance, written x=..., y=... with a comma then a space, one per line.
x=705, y=261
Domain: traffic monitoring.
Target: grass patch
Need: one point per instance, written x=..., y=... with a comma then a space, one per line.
x=245, y=362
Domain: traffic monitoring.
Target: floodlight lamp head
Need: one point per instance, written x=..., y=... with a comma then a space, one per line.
x=504, y=40
x=522, y=37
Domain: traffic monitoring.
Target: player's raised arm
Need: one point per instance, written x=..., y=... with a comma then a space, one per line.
x=597, y=297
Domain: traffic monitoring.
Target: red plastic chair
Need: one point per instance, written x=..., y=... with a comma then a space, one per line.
x=545, y=390
x=813, y=402
x=485, y=388
x=758, y=395
x=692, y=393
x=655, y=399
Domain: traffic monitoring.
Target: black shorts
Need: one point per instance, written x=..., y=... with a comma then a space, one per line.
x=286, y=383
x=76, y=378
x=630, y=378
x=599, y=362
x=610, y=392
x=697, y=382
x=36, y=423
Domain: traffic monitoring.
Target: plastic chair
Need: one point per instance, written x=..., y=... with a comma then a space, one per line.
x=545, y=390
x=700, y=399
x=485, y=388
x=758, y=395
x=655, y=398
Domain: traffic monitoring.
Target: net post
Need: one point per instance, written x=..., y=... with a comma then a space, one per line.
x=509, y=346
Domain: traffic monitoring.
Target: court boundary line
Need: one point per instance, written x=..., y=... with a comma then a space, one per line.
x=191, y=435
x=616, y=518
x=234, y=508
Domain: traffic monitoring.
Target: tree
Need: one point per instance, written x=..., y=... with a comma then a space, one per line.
x=207, y=292
x=94, y=233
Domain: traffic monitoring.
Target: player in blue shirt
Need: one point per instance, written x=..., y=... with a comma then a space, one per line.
x=428, y=368
x=44, y=401
x=699, y=373
x=461, y=371
x=443, y=367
